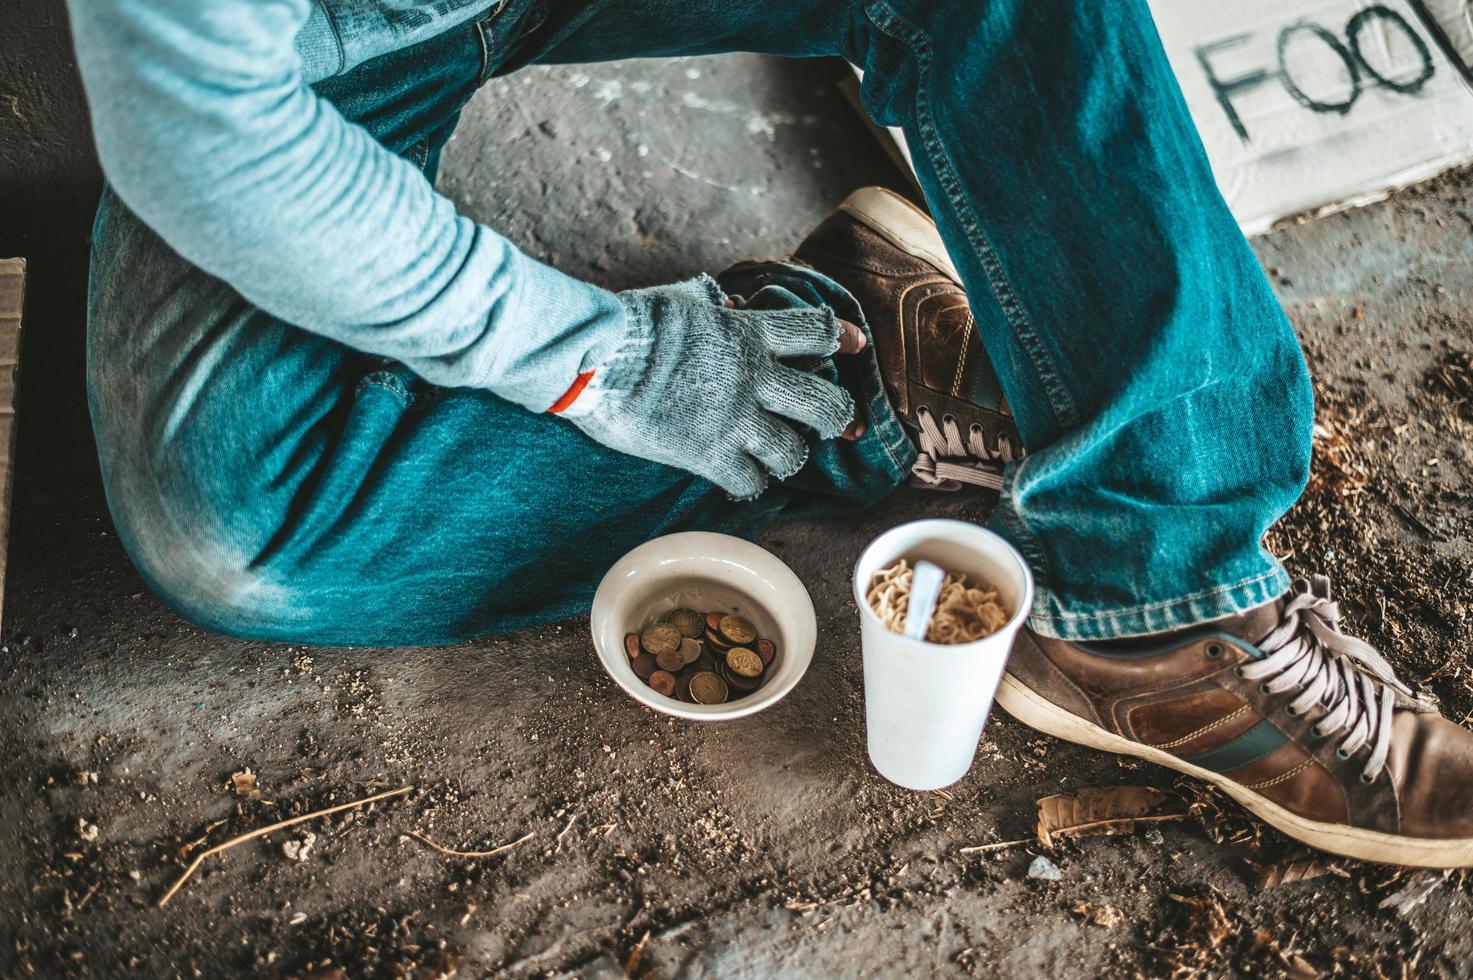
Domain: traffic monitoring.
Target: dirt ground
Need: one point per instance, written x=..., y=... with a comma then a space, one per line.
x=761, y=848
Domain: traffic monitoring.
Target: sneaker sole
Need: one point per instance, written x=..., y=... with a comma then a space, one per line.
x=902, y=224
x=1024, y=704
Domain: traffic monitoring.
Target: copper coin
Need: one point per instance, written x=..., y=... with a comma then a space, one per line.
x=767, y=650
x=670, y=660
x=740, y=660
x=690, y=650
x=662, y=682
x=707, y=688
x=631, y=645
x=660, y=638
x=713, y=621
x=688, y=621
x=644, y=666
x=738, y=683
x=737, y=631
x=715, y=642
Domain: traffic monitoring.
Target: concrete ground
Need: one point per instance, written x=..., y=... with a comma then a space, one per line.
x=760, y=848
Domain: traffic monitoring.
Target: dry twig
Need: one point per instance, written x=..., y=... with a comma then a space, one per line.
x=998, y=846
x=263, y=831
x=631, y=965
x=452, y=852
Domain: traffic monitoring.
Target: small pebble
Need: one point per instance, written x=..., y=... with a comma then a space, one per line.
x=1042, y=869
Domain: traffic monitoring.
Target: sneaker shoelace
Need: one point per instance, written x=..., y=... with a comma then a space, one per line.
x=945, y=461
x=1342, y=676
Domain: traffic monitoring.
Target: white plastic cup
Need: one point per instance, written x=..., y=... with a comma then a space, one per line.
x=925, y=703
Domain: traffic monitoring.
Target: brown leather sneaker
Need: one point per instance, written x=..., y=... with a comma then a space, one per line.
x=889, y=255
x=1306, y=727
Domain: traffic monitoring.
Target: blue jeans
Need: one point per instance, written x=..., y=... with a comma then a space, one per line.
x=275, y=484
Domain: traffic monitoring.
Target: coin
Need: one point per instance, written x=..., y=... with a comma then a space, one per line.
x=766, y=649
x=743, y=661
x=670, y=660
x=660, y=638
x=715, y=642
x=738, y=683
x=631, y=645
x=707, y=688
x=713, y=621
x=682, y=682
x=690, y=650
x=662, y=682
x=644, y=666
x=737, y=631
x=690, y=623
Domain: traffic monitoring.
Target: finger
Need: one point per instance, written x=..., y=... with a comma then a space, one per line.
x=805, y=398
x=810, y=331
x=739, y=476
x=853, y=430
x=851, y=338
x=776, y=446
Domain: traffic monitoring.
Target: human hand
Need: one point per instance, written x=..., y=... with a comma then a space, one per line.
x=699, y=384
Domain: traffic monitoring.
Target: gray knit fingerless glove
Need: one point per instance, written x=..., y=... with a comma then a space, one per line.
x=700, y=386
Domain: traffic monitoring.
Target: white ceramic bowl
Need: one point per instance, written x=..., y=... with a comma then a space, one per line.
x=704, y=571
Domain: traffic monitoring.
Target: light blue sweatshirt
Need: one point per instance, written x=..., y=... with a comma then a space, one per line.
x=207, y=129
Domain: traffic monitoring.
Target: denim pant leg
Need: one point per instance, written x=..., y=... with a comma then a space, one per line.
x=274, y=484
x=1157, y=384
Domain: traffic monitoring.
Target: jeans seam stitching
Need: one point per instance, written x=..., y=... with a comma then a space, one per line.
x=337, y=36
x=483, y=75
x=897, y=27
x=1012, y=514
x=405, y=396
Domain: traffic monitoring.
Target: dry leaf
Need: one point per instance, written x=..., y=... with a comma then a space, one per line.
x=1209, y=917
x=1299, y=969
x=1292, y=872
x=1101, y=810
x=244, y=784
x=1414, y=892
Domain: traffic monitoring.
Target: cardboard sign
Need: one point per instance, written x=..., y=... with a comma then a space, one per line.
x=1314, y=105
x=1310, y=106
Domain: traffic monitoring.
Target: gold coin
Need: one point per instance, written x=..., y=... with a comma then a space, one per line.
x=707, y=688
x=690, y=650
x=743, y=662
x=737, y=631
x=738, y=683
x=690, y=623
x=660, y=638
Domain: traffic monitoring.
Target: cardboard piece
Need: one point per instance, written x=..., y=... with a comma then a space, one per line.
x=1311, y=106
x=12, y=295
